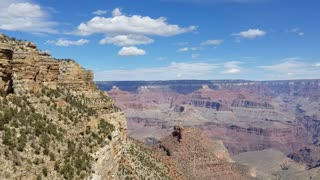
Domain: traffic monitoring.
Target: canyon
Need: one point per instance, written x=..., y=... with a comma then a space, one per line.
x=247, y=116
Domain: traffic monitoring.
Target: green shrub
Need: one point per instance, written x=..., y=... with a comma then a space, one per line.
x=45, y=171
x=105, y=128
x=52, y=156
x=67, y=171
x=22, y=140
x=8, y=138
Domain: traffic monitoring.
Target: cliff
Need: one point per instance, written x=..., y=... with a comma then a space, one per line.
x=25, y=69
x=54, y=122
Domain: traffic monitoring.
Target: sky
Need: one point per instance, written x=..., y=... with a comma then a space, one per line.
x=174, y=39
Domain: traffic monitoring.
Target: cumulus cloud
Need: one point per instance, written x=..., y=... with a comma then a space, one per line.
x=126, y=40
x=250, y=34
x=232, y=67
x=64, y=42
x=173, y=71
x=120, y=24
x=116, y=12
x=185, y=49
x=213, y=42
x=131, y=51
x=17, y=15
x=292, y=68
x=129, y=30
x=99, y=12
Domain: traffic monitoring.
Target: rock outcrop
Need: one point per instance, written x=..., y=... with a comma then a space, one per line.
x=197, y=157
x=29, y=68
x=5, y=68
x=39, y=91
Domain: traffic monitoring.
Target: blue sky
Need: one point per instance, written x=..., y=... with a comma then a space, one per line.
x=174, y=39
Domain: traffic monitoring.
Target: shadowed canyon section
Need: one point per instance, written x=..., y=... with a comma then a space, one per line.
x=246, y=115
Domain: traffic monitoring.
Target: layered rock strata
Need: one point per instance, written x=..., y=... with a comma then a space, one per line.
x=59, y=90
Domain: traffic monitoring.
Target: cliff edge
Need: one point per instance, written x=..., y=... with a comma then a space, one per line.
x=54, y=122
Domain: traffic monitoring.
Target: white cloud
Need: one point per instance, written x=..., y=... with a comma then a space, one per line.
x=296, y=31
x=195, y=56
x=232, y=67
x=25, y=9
x=136, y=24
x=213, y=42
x=64, y=42
x=161, y=58
x=284, y=66
x=250, y=34
x=131, y=51
x=99, y=12
x=292, y=68
x=18, y=15
x=126, y=40
x=173, y=71
x=185, y=49
x=116, y=12
x=232, y=71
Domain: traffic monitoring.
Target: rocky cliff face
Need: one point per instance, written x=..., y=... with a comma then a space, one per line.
x=6, y=68
x=65, y=125
x=25, y=69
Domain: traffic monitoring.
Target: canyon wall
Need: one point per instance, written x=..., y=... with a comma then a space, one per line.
x=245, y=115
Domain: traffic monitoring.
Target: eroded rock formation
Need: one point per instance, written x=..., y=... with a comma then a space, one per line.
x=64, y=96
x=29, y=68
x=245, y=115
x=197, y=157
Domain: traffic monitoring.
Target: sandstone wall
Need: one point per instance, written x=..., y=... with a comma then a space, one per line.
x=5, y=67
x=29, y=68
